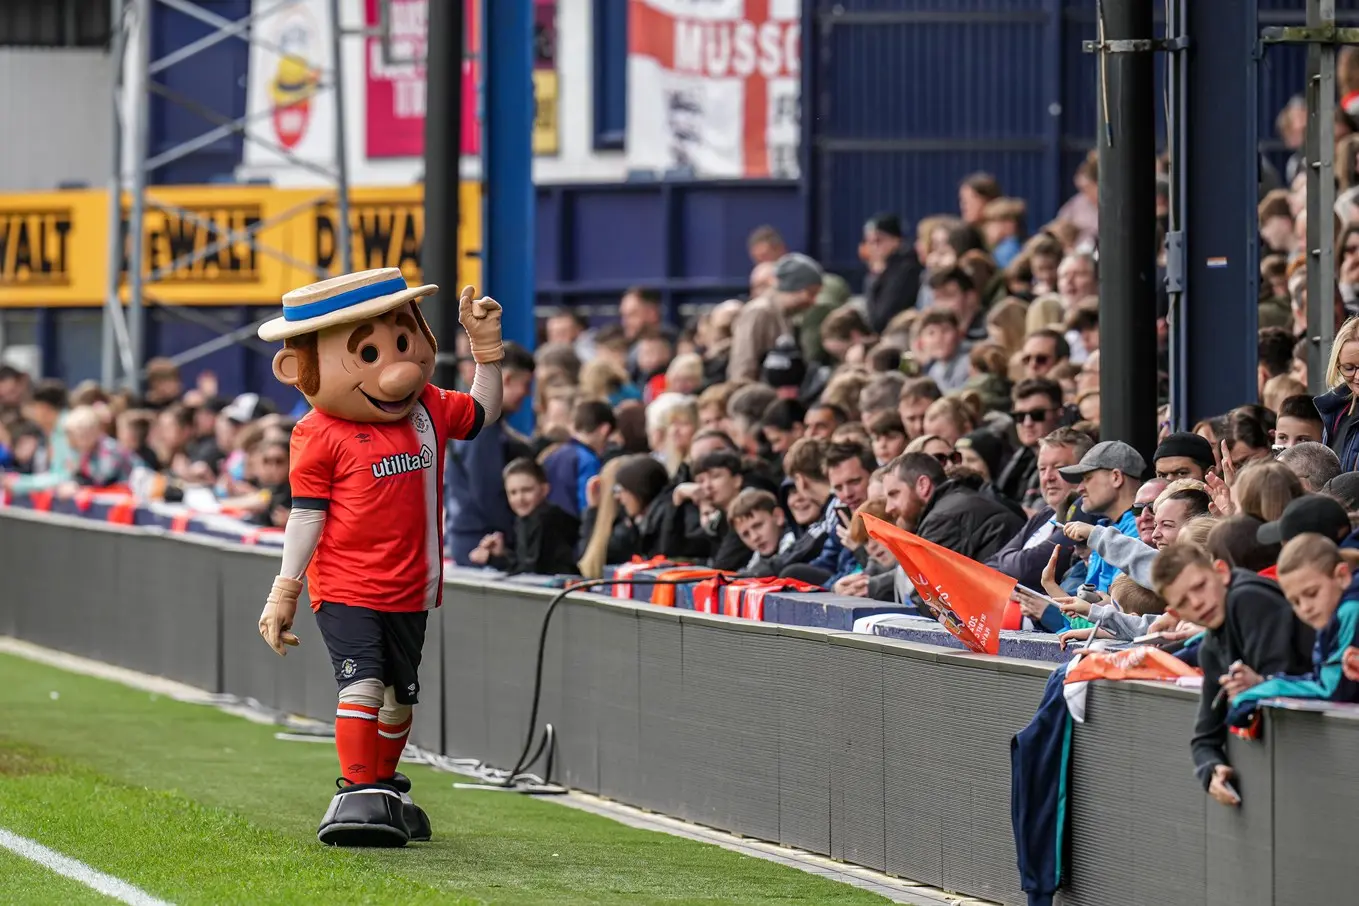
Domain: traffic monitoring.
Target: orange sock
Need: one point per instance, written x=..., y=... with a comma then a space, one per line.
x=356, y=742
x=391, y=743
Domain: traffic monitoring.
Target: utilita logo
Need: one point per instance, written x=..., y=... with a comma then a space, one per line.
x=401, y=463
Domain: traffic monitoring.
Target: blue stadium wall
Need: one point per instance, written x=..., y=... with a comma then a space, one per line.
x=903, y=98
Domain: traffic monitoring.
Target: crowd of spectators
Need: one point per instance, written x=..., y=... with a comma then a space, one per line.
x=956, y=394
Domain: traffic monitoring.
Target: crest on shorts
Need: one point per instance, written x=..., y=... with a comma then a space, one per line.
x=348, y=668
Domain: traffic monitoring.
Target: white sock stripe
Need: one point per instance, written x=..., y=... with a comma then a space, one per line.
x=345, y=712
x=401, y=735
x=67, y=867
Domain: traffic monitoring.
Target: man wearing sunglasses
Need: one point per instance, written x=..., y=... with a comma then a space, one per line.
x=1043, y=350
x=1108, y=478
x=1037, y=413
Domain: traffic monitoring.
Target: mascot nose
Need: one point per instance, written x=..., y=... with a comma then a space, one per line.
x=400, y=379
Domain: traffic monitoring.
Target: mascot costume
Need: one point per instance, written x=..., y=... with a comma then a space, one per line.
x=366, y=522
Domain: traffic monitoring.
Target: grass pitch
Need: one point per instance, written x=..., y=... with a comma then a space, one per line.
x=196, y=806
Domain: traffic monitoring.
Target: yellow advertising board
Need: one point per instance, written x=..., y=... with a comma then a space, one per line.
x=54, y=247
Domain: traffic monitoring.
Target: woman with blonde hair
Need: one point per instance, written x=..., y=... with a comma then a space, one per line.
x=1006, y=324
x=1338, y=416
x=622, y=518
x=601, y=379
x=685, y=374
x=671, y=422
x=950, y=418
x=1045, y=312
x=936, y=446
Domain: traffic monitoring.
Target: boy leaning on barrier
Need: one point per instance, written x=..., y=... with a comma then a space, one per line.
x=1249, y=624
x=366, y=477
x=545, y=535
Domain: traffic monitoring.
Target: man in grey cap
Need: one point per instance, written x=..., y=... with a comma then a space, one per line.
x=1109, y=476
x=797, y=280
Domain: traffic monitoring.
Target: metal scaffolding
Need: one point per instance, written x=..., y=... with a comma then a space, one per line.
x=131, y=286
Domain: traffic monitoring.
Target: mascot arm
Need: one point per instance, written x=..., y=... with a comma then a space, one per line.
x=300, y=537
x=487, y=389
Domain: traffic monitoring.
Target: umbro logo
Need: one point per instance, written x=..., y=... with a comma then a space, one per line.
x=363, y=438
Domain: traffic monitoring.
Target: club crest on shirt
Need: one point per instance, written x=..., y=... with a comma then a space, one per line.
x=402, y=463
x=418, y=421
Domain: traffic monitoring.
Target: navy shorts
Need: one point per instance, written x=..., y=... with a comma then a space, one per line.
x=373, y=644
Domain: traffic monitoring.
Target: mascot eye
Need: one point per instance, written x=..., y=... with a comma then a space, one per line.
x=403, y=343
x=369, y=354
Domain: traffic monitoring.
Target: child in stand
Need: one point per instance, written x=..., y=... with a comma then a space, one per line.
x=545, y=535
x=758, y=521
x=1318, y=579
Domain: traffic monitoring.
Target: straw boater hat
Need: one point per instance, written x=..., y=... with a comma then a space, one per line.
x=342, y=300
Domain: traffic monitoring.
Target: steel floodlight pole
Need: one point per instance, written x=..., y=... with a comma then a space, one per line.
x=1320, y=196
x=136, y=244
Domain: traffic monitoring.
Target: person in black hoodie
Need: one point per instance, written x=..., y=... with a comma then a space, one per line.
x=951, y=513
x=1249, y=623
x=628, y=521
x=720, y=477
x=894, y=271
x=545, y=535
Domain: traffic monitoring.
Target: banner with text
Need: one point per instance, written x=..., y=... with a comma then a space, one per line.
x=714, y=85
x=216, y=245
x=395, y=82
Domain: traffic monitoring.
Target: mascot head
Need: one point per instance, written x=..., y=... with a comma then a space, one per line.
x=356, y=346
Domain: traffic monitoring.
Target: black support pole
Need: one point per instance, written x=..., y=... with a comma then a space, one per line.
x=439, y=256
x=1127, y=224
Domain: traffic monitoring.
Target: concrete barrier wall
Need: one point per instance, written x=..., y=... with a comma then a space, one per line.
x=883, y=753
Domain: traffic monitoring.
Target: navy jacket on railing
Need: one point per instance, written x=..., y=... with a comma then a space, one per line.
x=1040, y=767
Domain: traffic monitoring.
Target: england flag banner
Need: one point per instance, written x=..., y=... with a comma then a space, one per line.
x=714, y=85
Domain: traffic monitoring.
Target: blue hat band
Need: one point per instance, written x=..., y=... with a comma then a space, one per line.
x=341, y=301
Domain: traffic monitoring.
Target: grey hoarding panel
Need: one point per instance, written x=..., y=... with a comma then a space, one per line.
x=427, y=729
x=730, y=731
x=660, y=740
x=805, y=742
x=857, y=766
x=466, y=716
x=513, y=620
x=1135, y=802
x=249, y=667
x=1240, y=841
x=609, y=647
x=1314, y=809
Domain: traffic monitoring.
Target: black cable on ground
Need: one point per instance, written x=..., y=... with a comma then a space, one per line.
x=548, y=741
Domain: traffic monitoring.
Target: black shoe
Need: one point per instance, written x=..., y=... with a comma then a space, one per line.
x=364, y=814
x=417, y=822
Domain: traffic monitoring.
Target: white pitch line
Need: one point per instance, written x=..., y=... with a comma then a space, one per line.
x=67, y=867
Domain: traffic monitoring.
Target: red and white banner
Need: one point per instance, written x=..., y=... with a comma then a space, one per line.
x=714, y=85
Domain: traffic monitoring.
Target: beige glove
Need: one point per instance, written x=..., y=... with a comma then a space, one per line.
x=276, y=622
x=481, y=320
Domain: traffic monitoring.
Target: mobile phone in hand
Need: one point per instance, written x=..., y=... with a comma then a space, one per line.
x=844, y=514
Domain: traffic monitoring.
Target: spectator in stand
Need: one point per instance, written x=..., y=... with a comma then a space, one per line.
x=1082, y=209
x=1247, y=438
x=720, y=477
x=988, y=377
x=1338, y=412
x=757, y=520
x=842, y=331
x=880, y=394
x=714, y=337
x=653, y=352
x=954, y=290
x=1044, y=350
x=894, y=271
x=101, y=462
x=570, y=466
x=765, y=245
x=798, y=281
x=1037, y=413
x=1081, y=330
x=914, y=401
x=1108, y=477
x=1144, y=507
x=823, y=419
x=639, y=311
x=163, y=384
x=949, y=512
x=1279, y=390
x=941, y=344
x=571, y=329
x=1275, y=355
x=1264, y=489
x=1027, y=552
x=1183, y=455
x=53, y=462
x=848, y=469
x=474, y=503
x=1003, y=226
x=1235, y=541
x=134, y=427
x=1317, y=578
x=950, y=418
x=975, y=192
x=888, y=436
x=745, y=412
x=782, y=425
x=545, y=536
x=1249, y=624
x=1175, y=508
x=1077, y=279
x=785, y=370
x=1314, y=464
x=14, y=388
x=671, y=423
x=627, y=519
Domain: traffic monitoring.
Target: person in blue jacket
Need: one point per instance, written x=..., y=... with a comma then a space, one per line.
x=1317, y=577
x=571, y=465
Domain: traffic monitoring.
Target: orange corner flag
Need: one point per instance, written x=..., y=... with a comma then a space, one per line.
x=967, y=597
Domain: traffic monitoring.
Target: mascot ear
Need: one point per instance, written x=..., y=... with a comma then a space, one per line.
x=287, y=367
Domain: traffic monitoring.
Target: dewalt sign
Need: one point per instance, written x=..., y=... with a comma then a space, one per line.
x=197, y=244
